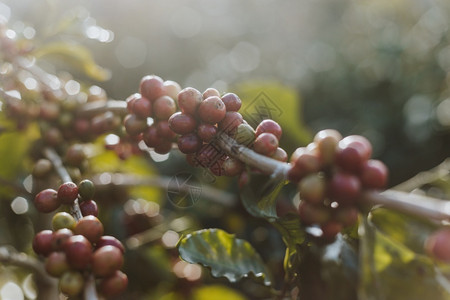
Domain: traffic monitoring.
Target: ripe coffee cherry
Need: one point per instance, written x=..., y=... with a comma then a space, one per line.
x=108, y=240
x=106, y=260
x=163, y=147
x=232, y=102
x=164, y=131
x=41, y=168
x=212, y=110
x=78, y=250
x=182, y=123
x=42, y=242
x=312, y=188
x=71, y=283
x=327, y=141
x=232, y=167
x=347, y=216
x=63, y=220
x=303, y=163
x=230, y=123
x=373, y=174
x=344, y=188
x=151, y=137
x=151, y=87
x=209, y=92
x=171, y=89
x=130, y=101
x=75, y=155
x=164, y=107
x=266, y=143
x=46, y=201
x=313, y=214
x=89, y=208
x=142, y=107
x=352, y=152
x=280, y=155
x=438, y=245
x=86, y=189
x=114, y=285
x=206, y=132
x=89, y=227
x=189, y=143
x=67, y=193
x=134, y=125
x=60, y=237
x=269, y=126
x=243, y=179
x=330, y=229
x=189, y=99
x=56, y=264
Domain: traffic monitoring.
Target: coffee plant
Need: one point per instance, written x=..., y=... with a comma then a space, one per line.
x=106, y=205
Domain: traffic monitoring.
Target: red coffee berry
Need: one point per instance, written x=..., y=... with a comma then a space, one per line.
x=108, y=240
x=330, y=229
x=89, y=208
x=46, y=201
x=60, y=237
x=352, y=152
x=182, y=123
x=206, y=132
x=438, y=245
x=106, y=260
x=164, y=107
x=313, y=214
x=212, y=110
x=164, y=131
x=347, y=215
x=171, y=89
x=209, y=92
x=134, y=125
x=344, y=188
x=42, y=242
x=232, y=167
x=312, y=188
x=189, y=99
x=230, y=122
x=163, y=147
x=114, y=285
x=232, y=102
x=89, y=227
x=151, y=137
x=243, y=179
x=130, y=101
x=305, y=163
x=269, y=126
x=151, y=87
x=142, y=107
x=280, y=155
x=266, y=143
x=78, y=250
x=71, y=283
x=189, y=143
x=63, y=220
x=67, y=193
x=75, y=155
x=56, y=264
x=373, y=174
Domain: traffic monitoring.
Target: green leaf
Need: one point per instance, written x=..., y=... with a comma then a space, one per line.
x=78, y=56
x=226, y=255
x=260, y=194
x=216, y=292
x=390, y=270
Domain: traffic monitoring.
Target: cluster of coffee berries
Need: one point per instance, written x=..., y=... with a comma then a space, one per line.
x=149, y=112
x=76, y=249
x=331, y=174
x=50, y=200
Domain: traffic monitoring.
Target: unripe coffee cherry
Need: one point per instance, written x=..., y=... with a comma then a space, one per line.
x=89, y=227
x=269, y=126
x=245, y=135
x=280, y=155
x=212, y=110
x=67, y=193
x=46, y=201
x=86, y=189
x=189, y=99
x=78, y=250
x=106, y=260
x=42, y=242
x=75, y=155
x=63, y=220
x=151, y=87
x=327, y=141
x=171, y=89
x=56, y=264
x=114, y=285
x=41, y=168
x=312, y=188
x=232, y=102
x=71, y=283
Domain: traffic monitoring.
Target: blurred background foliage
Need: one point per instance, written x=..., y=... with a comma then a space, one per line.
x=375, y=68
